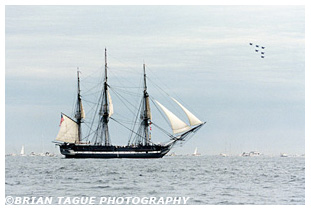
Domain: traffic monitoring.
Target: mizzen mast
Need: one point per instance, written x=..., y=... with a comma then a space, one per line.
x=106, y=114
x=79, y=110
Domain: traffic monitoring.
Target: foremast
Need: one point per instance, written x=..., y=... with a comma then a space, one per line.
x=146, y=112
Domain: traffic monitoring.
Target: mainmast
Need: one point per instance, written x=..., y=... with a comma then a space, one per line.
x=79, y=110
x=102, y=130
x=146, y=112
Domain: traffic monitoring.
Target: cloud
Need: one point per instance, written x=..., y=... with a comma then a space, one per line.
x=200, y=53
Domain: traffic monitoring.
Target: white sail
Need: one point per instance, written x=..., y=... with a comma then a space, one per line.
x=110, y=105
x=193, y=120
x=82, y=111
x=68, y=131
x=148, y=109
x=177, y=124
x=23, y=151
x=196, y=152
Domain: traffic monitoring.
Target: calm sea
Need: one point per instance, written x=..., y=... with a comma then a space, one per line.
x=204, y=179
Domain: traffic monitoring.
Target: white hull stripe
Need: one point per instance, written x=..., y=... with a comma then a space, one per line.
x=117, y=153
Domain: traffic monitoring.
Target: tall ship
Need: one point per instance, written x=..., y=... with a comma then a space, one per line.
x=139, y=145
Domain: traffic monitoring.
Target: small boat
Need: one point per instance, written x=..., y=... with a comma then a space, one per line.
x=251, y=154
x=23, y=151
x=196, y=153
x=283, y=155
x=173, y=154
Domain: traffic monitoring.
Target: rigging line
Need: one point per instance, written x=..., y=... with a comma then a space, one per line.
x=74, y=103
x=188, y=106
x=138, y=113
x=125, y=64
x=164, y=131
x=95, y=137
x=86, y=123
x=126, y=127
x=187, y=138
x=160, y=81
x=132, y=70
x=164, y=93
x=91, y=93
x=91, y=96
x=170, y=101
x=124, y=122
x=92, y=73
x=131, y=94
x=96, y=111
x=89, y=81
x=121, y=79
x=176, y=95
x=91, y=106
x=122, y=118
x=92, y=110
x=86, y=137
x=165, y=85
x=165, y=118
x=125, y=87
x=89, y=102
x=120, y=97
x=135, y=121
x=94, y=85
x=155, y=84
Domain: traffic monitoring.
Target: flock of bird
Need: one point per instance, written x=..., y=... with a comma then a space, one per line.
x=259, y=48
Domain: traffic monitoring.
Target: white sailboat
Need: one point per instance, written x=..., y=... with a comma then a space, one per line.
x=23, y=151
x=223, y=154
x=196, y=153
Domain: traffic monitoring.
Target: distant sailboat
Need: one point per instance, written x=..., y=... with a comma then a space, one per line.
x=283, y=155
x=195, y=153
x=23, y=151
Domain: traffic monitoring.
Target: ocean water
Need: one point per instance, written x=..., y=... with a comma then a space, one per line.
x=206, y=180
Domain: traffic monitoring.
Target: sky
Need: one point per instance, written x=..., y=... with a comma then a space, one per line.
x=200, y=53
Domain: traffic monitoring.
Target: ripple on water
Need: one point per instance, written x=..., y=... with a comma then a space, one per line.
x=205, y=179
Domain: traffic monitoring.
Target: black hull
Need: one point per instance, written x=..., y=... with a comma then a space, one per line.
x=105, y=152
